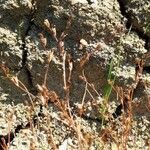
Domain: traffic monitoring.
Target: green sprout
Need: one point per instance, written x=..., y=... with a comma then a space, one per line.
x=108, y=88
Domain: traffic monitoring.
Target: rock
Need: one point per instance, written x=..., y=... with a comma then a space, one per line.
x=102, y=26
x=72, y=49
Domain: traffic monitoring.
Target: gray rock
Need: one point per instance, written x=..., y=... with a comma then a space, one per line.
x=101, y=25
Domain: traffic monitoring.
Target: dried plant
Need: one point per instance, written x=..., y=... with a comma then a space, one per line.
x=68, y=118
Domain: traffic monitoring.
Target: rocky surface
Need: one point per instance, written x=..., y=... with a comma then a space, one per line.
x=93, y=34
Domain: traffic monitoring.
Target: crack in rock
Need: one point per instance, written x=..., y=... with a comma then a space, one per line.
x=146, y=69
x=129, y=25
x=25, y=52
x=141, y=35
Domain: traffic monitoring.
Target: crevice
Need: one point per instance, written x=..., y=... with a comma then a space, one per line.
x=146, y=69
x=98, y=120
x=129, y=24
x=118, y=111
x=142, y=35
x=122, y=108
x=24, y=50
x=33, y=90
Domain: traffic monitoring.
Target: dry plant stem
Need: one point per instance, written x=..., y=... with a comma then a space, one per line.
x=70, y=70
x=4, y=146
x=108, y=134
x=66, y=87
x=84, y=59
x=148, y=100
x=84, y=95
x=60, y=41
x=90, y=94
x=9, y=130
x=43, y=40
x=87, y=90
x=139, y=70
x=85, y=80
x=126, y=102
x=50, y=131
x=10, y=117
x=51, y=29
x=70, y=117
x=17, y=82
x=26, y=91
x=90, y=85
x=60, y=45
x=67, y=115
x=64, y=71
x=50, y=56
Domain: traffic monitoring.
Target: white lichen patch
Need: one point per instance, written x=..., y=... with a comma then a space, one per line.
x=10, y=44
x=15, y=4
x=125, y=74
x=27, y=139
x=133, y=44
x=146, y=78
x=78, y=1
x=11, y=116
